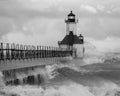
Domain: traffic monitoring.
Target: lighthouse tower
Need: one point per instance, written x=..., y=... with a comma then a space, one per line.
x=71, y=41
x=71, y=23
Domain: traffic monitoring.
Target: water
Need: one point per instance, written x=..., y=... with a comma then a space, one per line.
x=98, y=74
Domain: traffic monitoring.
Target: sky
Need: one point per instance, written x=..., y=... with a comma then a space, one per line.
x=41, y=22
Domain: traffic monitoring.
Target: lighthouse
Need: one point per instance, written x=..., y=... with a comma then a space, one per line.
x=71, y=23
x=71, y=41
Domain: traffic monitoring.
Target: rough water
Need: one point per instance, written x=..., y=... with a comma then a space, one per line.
x=97, y=74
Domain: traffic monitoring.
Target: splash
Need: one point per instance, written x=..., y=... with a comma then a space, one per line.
x=64, y=90
x=92, y=55
x=70, y=89
x=107, y=89
x=1, y=81
x=51, y=71
x=32, y=76
x=73, y=89
x=93, y=59
x=23, y=90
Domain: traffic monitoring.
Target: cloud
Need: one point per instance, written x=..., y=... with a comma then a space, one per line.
x=27, y=8
x=56, y=8
x=99, y=28
x=110, y=44
x=100, y=7
x=36, y=31
x=88, y=8
x=6, y=25
x=40, y=5
x=42, y=21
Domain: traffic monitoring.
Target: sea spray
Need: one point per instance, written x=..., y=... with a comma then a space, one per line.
x=72, y=89
x=25, y=90
x=32, y=76
x=68, y=89
x=93, y=60
x=39, y=73
x=2, y=85
x=43, y=73
x=1, y=81
x=51, y=71
x=106, y=89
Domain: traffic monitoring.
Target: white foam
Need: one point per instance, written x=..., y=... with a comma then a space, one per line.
x=51, y=71
x=1, y=81
x=107, y=89
x=65, y=90
x=94, y=56
x=68, y=90
x=92, y=60
x=24, y=90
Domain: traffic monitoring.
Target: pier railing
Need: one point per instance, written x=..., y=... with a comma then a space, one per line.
x=20, y=52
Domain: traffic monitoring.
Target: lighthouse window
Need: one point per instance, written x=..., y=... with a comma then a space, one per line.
x=71, y=17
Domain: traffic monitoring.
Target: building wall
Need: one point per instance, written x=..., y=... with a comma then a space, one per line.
x=79, y=50
x=71, y=27
x=76, y=47
x=63, y=46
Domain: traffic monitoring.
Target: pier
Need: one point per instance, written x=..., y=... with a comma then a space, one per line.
x=17, y=55
x=15, y=58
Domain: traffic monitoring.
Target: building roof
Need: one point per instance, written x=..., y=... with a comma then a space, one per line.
x=71, y=14
x=67, y=41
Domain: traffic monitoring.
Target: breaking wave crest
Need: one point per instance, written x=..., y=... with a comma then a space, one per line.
x=71, y=89
x=1, y=81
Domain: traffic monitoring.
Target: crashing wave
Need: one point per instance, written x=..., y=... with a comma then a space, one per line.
x=1, y=81
x=69, y=89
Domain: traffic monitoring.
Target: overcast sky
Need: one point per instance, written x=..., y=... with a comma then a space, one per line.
x=42, y=21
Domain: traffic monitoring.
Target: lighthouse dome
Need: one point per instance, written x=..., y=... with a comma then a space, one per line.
x=71, y=14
